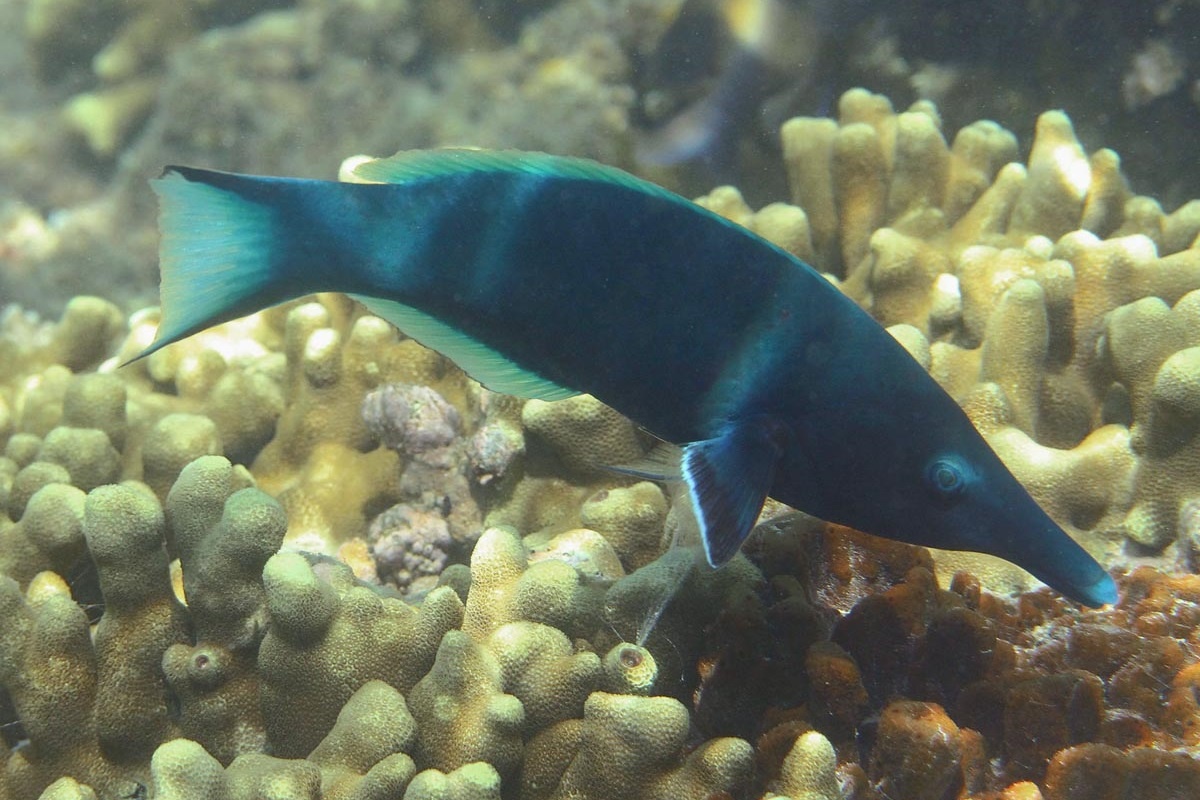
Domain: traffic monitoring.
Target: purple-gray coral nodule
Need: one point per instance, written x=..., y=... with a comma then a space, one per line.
x=492, y=449
x=410, y=419
x=409, y=543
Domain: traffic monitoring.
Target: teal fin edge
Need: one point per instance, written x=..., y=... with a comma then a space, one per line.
x=728, y=479
x=214, y=254
x=417, y=165
x=478, y=360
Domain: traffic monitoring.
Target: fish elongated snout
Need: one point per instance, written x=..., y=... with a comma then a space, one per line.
x=1101, y=592
x=980, y=505
x=1047, y=552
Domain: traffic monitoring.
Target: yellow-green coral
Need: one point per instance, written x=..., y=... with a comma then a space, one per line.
x=810, y=770
x=462, y=711
x=475, y=781
x=585, y=434
x=506, y=588
x=631, y=519
x=315, y=621
x=123, y=525
x=307, y=662
x=1027, y=284
x=646, y=737
x=629, y=669
x=48, y=535
x=361, y=758
x=542, y=668
x=48, y=667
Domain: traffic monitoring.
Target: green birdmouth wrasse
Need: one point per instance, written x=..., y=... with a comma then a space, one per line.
x=545, y=277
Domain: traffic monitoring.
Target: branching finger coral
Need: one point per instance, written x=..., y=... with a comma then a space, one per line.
x=1028, y=285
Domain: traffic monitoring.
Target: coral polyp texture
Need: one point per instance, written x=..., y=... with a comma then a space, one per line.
x=299, y=556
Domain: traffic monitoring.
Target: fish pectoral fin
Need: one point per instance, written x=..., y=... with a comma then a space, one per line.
x=661, y=464
x=728, y=479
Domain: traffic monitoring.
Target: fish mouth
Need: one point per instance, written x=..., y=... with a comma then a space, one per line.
x=1012, y=526
x=1101, y=592
x=1050, y=554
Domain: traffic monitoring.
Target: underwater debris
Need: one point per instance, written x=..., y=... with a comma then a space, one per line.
x=1157, y=69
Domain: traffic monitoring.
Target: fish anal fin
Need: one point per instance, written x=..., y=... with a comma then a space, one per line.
x=728, y=478
x=475, y=358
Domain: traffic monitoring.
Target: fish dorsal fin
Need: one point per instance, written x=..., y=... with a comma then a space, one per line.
x=475, y=358
x=417, y=165
x=728, y=479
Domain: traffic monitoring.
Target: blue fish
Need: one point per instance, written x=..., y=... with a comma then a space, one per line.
x=545, y=277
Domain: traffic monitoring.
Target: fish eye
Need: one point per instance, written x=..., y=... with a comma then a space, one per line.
x=947, y=477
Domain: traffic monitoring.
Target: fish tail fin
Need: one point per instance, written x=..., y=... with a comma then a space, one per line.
x=219, y=251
